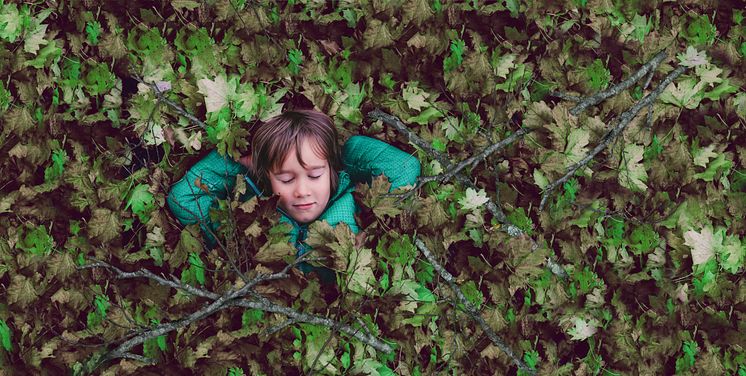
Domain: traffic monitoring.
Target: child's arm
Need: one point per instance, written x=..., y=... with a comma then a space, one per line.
x=365, y=157
x=210, y=179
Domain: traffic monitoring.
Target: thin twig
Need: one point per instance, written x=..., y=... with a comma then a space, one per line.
x=567, y=97
x=162, y=97
x=599, y=97
x=473, y=160
x=393, y=121
x=276, y=328
x=622, y=121
x=267, y=306
x=470, y=309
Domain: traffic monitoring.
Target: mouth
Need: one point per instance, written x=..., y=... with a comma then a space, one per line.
x=303, y=206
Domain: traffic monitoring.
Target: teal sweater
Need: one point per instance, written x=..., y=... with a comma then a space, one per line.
x=362, y=159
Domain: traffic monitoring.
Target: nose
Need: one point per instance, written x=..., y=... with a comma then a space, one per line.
x=301, y=190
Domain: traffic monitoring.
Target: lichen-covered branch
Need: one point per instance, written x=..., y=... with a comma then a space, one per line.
x=599, y=97
x=233, y=297
x=493, y=208
x=473, y=160
x=621, y=123
x=470, y=309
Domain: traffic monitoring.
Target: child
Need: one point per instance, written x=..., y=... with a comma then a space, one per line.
x=294, y=155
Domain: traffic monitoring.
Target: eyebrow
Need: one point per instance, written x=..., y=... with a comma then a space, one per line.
x=290, y=172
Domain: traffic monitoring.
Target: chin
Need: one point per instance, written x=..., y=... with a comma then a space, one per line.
x=306, y=218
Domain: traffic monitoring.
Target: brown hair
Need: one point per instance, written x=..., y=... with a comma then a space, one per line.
x=274, y=139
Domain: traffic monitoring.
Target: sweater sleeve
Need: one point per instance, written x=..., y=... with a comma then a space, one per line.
x=210, y=179
x=364, y=158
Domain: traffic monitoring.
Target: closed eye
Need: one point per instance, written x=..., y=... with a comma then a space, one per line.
x=312, y=178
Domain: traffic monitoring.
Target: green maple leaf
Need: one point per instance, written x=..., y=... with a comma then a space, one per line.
x=295, y=58
x=739, y=101
x=519, y=218
x=425, y=272
x=141, y=201
x=197, y=268
x=732, y=253
x=517, y=77
x=531, y=358
x=473, y=294
x=387, y=81
x=721, y=163
x=598, y=75
x=705, y=279
x=632, y=174
x=686, y=361
x=643, y=239
x=642, y=27
x=100, y=79
x=5, y=335
x=50, y=51
x=350, y=109
x=146, y=42
x=53, y=172
x=218, y=129
x=426, y=116
x=5, y=98
x=514, y=6
x=197, y=41
x=654, y=149
x=101, y=304
x=251, y=317
x=93, y=31
x=456, y=57
x=700, y=31
x=248, y=101
x=10, y=22
x=37, y=241
x=719, y=91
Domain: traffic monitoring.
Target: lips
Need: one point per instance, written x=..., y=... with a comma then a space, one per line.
x=303, y=206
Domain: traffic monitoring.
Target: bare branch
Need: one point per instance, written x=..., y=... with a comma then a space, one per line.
x=599, y=97
x=274, y=329
x=162, y=97
x=470, y=309
x=230, y=298
x=622, y=121
x=473, y=160
x=265, y=305
x=136, y=357
x=567, y=97
x=393, y=121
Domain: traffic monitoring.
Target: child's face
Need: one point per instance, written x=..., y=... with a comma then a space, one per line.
x=304, y=192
